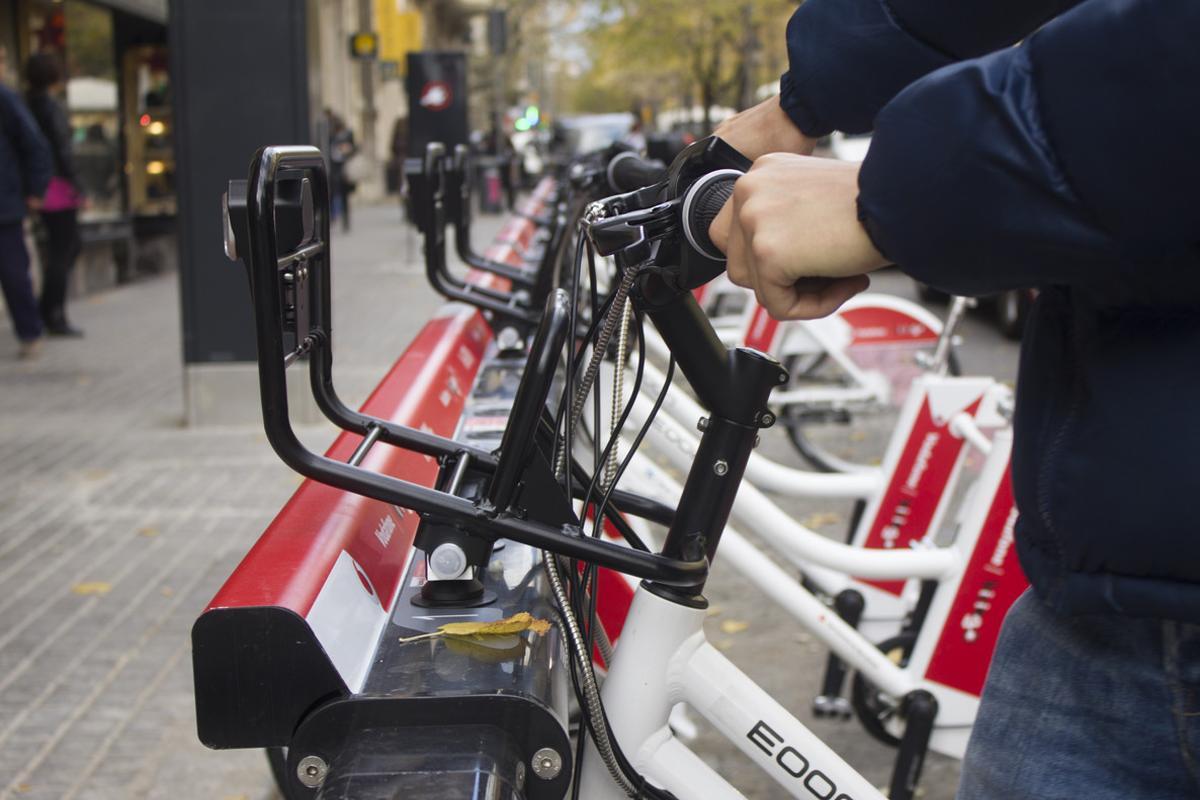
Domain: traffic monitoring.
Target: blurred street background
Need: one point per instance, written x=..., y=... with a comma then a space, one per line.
x=135, y=472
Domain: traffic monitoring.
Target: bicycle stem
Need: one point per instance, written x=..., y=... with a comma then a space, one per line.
x=734, y=384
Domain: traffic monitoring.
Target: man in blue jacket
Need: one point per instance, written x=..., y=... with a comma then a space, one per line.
x=25, y=170
x=1067, y=162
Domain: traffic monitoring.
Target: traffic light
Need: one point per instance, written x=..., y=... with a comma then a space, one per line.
x=364, y=45
x=530, y=121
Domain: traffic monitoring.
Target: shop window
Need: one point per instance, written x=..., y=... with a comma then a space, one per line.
x=93, y=104
x=149, y=131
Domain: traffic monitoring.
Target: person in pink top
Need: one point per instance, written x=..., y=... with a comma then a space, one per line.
x=63, y=198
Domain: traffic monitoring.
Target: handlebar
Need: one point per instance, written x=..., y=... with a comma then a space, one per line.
x=665, y=225
x=703, y=201
x=628, y=171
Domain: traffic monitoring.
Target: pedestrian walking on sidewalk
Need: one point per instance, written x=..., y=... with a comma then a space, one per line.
x=63, y=198
x=342, y=150
x=25, y=170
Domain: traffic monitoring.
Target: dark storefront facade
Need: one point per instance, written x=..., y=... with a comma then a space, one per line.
x=118, y=98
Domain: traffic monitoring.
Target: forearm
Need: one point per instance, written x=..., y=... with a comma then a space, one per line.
x=848, y=58
x=1024, y=168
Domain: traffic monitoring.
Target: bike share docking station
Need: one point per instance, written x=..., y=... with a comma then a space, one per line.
x=440, y=498
x=299, y=651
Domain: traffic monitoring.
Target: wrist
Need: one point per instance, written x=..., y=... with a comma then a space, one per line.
x=869, y=229
x=763, y=129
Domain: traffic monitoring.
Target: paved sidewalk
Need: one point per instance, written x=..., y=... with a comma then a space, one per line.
x=117, y=525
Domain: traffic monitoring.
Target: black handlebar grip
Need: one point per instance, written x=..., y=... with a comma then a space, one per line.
x=628, y=172
x=704, y=200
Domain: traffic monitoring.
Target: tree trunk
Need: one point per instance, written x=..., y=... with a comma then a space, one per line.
x=748, y=61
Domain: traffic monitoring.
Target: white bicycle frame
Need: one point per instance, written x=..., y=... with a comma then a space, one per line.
x=908, y=497
x=662, y=659
x=888, y=578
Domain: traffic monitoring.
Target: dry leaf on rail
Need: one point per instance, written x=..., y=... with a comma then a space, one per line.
x=92, y=587
x=521, y=621
x=492, y=650
x=517, y=623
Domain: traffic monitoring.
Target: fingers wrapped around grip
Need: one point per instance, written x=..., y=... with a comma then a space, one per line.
x=791, y=233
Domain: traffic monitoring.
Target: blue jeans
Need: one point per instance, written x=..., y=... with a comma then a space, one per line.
x=16, y=283
x=1087, y=708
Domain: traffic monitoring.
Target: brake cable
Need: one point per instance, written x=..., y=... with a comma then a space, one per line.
x=615, y=311
x=618, y=392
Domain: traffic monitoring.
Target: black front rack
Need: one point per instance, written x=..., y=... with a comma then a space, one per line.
x=281, y=228
x=427, y=194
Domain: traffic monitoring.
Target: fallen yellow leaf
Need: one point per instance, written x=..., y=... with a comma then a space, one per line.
x=821, y=519
x=92, y=587
x=22, y=788
x=149, y=532
x=732, y=626
x=517, y=623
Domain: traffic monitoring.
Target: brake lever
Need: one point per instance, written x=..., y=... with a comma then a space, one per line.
x=646, y=226
x=613, y=233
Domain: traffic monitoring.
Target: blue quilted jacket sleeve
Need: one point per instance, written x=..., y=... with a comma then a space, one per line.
x=1070, y=159
x=848, y=58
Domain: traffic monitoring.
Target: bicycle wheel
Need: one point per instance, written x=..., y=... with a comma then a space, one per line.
x=880, y=713
x=851, y=437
